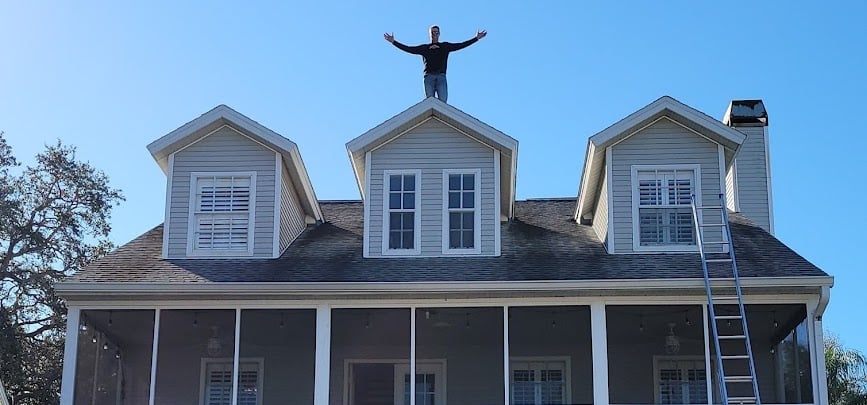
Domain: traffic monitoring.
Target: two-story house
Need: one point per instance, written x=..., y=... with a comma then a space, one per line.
x=438, y=287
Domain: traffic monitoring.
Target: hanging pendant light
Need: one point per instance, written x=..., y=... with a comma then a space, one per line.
x=672, y=342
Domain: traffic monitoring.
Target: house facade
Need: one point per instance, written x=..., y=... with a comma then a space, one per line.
x=438, y=287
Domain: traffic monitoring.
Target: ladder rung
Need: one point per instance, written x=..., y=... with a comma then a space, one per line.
x=712, y=225
x=739, y=379
x=727, y=317
x=726, y=298
x=724, y=242
x=709, y=207
x=742, y=400
x=718, y=260
x=735, y=357
x=731, y=337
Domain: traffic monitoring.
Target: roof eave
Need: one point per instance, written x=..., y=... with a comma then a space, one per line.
x=69, y=289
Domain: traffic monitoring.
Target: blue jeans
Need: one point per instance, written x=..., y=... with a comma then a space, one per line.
x=436, y=83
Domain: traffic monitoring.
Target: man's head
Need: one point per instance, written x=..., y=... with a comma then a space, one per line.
x=434, y=33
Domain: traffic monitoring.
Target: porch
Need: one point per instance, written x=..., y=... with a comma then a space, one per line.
x=462, y=353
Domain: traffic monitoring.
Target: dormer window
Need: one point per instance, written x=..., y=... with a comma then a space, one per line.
x=661, y=207
x=221, y=214
x=402, y=220
x=461, y=218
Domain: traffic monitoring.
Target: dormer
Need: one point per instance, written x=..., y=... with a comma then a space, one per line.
x=234, y=189
x=435, y=182
x=640, y=173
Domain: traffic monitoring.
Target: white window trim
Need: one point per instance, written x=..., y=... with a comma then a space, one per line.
x=386, y=251
x=348, y=378
x=567, y=372
x=191, y=217
x=633, y=187
x=260, y=377
x=660, y=358
x=477, y=226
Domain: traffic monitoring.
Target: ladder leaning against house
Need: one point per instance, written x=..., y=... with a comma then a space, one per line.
x=719, y=254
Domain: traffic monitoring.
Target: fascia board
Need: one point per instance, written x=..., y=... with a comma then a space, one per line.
x=666, y=103
x=160, y=149
x=585, y=178
x=306, y=184
x=419, y=287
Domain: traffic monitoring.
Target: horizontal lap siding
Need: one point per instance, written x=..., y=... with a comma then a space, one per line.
x=291, y=215
x=752, y=169
x=600, y=214
x=223, y=151
x=663, y=143
x=431, y=148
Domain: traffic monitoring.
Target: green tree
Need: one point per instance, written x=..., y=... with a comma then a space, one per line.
x=54, y=219
x=847, y=374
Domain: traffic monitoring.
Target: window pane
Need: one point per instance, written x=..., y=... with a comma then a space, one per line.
x=469, y=199
x=454, y=220
x=408, y=240
x=409, y=201
x=468, y=222
x=454, y=182
x=454, y=239
x=394, y=182
x=468, y=241
x=454, y=200
x=409, y=182
x=408, y=221
x=394, y=201
x=394, y=220
x=394, y=240
x=469, y=182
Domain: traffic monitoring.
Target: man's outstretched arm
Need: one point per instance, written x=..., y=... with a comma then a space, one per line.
x=479, y=35
x=416, y=50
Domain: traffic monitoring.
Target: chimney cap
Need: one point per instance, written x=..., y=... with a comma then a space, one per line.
x=746, y=113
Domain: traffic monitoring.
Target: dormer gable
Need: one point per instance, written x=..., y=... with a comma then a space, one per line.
x=435, y=182
x=664, y=143
x=234, y=188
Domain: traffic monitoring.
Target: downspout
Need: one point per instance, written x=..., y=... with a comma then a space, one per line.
x=819, y=338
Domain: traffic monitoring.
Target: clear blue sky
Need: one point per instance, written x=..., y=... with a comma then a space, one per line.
x=112, y=76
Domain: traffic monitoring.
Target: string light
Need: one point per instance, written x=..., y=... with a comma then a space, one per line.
x=282, y=320
x=195, y=319
x=110, y=322
x=94, y=340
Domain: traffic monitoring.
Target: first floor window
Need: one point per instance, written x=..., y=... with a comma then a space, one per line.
x=222, y=212
x=681, y=381
x=218, y=382
x=662, y=198
x=538, y=382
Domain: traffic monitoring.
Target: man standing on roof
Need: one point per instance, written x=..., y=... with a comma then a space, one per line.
x=436, y=58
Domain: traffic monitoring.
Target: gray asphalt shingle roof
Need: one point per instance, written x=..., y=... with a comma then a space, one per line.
x=541, y=243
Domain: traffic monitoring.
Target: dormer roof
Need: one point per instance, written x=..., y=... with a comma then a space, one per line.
x=665, y=107
x=223, y=115
x=462, y=122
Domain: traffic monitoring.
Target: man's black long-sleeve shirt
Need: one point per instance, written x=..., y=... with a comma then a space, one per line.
x=435, y=56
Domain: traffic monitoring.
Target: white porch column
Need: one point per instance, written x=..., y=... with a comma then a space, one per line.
x=817, y=347
x=599, y=343
x=321, y=379
x=506, y=363
x=70, y=352
x=155, y=347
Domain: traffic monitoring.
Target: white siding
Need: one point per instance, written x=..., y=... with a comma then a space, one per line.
x=731, y=185
x=752, y=177
x=663, y=143
x=291, y=215
x=432, y=147
x=600, y=214
x=223, y=151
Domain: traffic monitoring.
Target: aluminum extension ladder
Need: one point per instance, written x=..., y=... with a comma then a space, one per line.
x=735, y=366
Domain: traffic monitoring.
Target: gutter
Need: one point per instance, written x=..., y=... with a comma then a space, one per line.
x=72, y=288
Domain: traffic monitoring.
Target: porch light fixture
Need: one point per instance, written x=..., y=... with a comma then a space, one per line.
x=214, y=346
x=672, y=342
x=94, y=340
